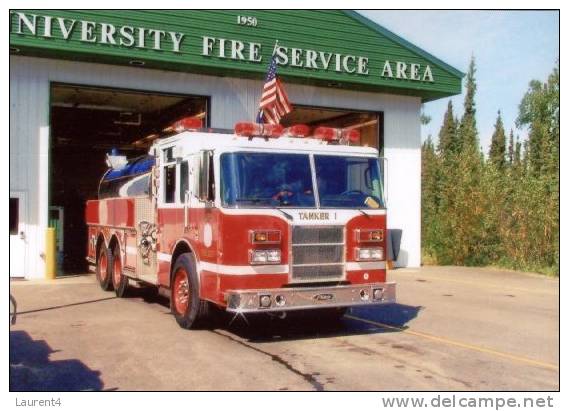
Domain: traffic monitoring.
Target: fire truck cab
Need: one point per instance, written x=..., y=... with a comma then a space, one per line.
x=260, y=220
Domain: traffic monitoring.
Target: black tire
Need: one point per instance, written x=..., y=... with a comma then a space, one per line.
x=185, y=303
x=103, y=273
x=119, y=280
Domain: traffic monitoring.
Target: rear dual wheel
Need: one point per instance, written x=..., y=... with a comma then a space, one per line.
x=103, y=272
x=120, y=281
x=109, y=271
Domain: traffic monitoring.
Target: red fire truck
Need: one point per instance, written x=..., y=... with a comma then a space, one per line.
x=263, y=219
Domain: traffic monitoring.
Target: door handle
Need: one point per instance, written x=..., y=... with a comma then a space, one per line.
x=22, y=235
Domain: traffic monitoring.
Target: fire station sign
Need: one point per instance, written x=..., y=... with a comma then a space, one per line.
x=352, y=53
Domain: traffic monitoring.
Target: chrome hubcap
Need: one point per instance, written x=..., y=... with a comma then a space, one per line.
x=183, y=292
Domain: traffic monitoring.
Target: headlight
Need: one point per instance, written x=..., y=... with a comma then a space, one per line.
x=274, y=256
x=265, y=256
x=369, y=254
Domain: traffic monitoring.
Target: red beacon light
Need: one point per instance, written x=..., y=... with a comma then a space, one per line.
x=186, y=123
x=337, y=135
x=351, y=135
x=327, y=133
x=297, y=130
x=246, y=129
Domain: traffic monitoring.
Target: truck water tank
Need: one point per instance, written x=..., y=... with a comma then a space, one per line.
x=131, y=180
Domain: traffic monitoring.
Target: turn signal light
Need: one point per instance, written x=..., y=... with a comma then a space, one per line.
x=266, y=237
x=368, y=236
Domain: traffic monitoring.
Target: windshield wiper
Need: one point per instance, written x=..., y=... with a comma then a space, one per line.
x=363, y=212
x=287, y=215
x=256, y=200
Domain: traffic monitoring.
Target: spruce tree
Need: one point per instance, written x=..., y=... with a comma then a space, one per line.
x=447, y=133
x=498, y=144
x=468, y=133
x=463, y=205
x=511, y=148
x=518, y=152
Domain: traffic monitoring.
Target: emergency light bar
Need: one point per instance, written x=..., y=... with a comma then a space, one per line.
x=328, y=134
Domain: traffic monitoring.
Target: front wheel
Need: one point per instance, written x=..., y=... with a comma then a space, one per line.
x=185, y=303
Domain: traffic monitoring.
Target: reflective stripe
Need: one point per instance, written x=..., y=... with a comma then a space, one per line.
x=164, y=257
x=365, y=265
x=269, y=268
x=243, y=269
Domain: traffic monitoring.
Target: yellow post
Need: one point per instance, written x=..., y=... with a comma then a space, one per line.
x=50, y=254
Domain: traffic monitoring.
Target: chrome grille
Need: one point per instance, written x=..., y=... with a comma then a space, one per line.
x=317, y=234
x=317, y=253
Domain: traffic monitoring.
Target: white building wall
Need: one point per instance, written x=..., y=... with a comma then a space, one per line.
x=232, y=100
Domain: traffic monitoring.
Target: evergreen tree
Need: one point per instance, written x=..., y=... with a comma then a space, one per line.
x=468, y=133
x=477, y=212
x=539, y=110
x=498, y=144
x=466, y=202
x=518, y=152
x=425, y=119
x=430, y=197
x=511, y=148
x=447, y=134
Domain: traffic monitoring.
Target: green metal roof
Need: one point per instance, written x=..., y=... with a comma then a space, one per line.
x=329, y=48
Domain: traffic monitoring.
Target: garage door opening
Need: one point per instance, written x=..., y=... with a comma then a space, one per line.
x=86, y=124
x=369, y=124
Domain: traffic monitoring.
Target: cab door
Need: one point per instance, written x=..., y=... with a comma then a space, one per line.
x=205, y=219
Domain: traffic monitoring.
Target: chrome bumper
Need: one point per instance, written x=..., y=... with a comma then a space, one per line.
x=305, y=298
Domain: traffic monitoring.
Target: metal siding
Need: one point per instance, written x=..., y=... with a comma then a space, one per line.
x=329, y=30
x=232, y=100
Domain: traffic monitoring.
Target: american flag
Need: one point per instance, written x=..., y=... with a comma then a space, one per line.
x=274, y=101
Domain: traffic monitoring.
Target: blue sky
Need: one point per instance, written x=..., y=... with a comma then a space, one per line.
x=510, y=48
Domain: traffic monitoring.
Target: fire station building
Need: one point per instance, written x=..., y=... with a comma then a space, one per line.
x=85, y=82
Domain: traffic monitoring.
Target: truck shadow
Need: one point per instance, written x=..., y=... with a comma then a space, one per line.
x=305, y=325
x=32, y=370
x=387, y=318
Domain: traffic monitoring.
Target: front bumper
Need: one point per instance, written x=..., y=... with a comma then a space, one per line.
x=305, y=298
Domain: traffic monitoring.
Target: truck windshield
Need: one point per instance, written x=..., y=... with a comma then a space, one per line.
x=285, y=180
x=349, y=182
x=266, y=179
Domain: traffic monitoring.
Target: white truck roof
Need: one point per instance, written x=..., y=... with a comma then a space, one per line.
x=189, y=142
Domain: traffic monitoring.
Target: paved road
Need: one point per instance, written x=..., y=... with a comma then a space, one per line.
x=453, y=329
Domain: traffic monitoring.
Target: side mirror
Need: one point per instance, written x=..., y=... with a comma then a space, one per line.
x=205, y=177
